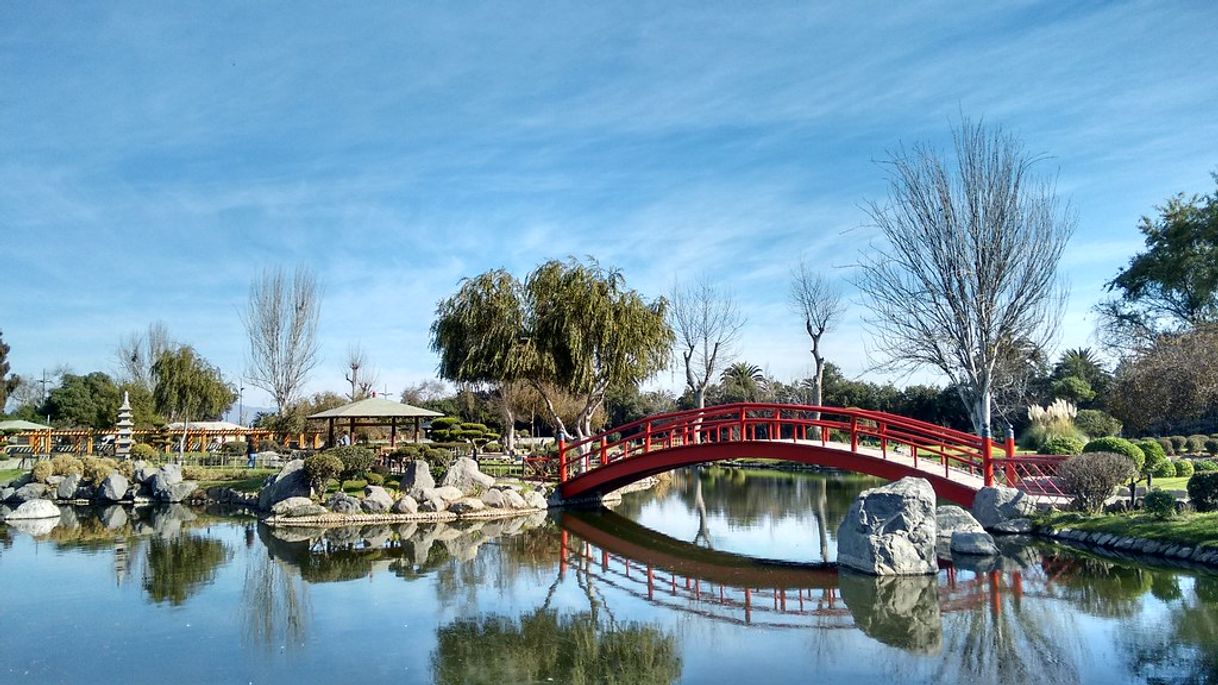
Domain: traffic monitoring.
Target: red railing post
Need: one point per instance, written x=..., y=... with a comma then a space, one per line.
x=647, y=438
x=987, y=459
x=775, y=431
x=884, y=440
x=743, y=426
x=562, y=460
x=854, y=433
x=1009, y=448
x=604, y=451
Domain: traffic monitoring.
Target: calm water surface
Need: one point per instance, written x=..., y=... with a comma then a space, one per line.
x=713, y=577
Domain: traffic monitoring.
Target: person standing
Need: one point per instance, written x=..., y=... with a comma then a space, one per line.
x=250, y=452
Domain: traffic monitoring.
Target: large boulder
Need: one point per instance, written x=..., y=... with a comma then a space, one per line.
x=466, y=505
x=291, y=481
x=172, y=473
x=977, y=543
x=536, y=499
x=376, y=500
x=890, y=530
x=513, y=500
x=342, y=503
x=113, y=488
x=294, y=507
x=165, y=489
x=950, y=518
x=995, y=505
x=405, y=505
x=465, y=476
x=144, y=472
x=445, y=494
x=493, y=498
x=34, y=509
x=67, y=487
x=28, y=493
x=417, y=478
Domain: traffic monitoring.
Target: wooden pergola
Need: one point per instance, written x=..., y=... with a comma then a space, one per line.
x=374, y=412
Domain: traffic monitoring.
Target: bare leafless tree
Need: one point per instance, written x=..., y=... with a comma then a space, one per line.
x=281, y=322
x=707, y=321
x=137, y=352
x=360, y=373
x=819, y=303
x=968, y=265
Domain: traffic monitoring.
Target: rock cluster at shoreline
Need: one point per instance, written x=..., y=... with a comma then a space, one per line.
x=147, y=484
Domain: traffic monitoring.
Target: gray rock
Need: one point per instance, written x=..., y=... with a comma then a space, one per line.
x=466, y=505
x=1020, y=526
x=899, y=612
x=67, y=487
x=513, y=500
x=417, y=478
x=994, y=505
x=445, y=494
x=28, y=492
x=973, y=542
x=144, y=472
x=377, y=498
x=85, y=491
x=465, y=476
x=172, y=473
x=342, y=503
x=291, y=481
x=54, y=481
x=890, y=530
x=493, y=498
x=164, y=489
x=294, y=507
x=405, y=505
x=951, y=518
x=6, y=493
x=113, y=488
x=536, y=499
x=34, y=509
x=432, y=505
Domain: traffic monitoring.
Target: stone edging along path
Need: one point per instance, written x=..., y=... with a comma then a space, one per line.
x=333, y=519
x=1204, y=555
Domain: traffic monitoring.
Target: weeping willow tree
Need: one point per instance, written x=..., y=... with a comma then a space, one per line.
x=571, y=327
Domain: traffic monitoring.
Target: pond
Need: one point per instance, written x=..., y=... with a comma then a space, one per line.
x=716, y=575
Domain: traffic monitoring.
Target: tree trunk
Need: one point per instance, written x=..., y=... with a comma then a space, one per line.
x=818, y=389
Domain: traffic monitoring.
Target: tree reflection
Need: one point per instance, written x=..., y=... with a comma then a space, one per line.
x=178, y=567
x=543, y=646
x=274, y=597
x=1185, y=649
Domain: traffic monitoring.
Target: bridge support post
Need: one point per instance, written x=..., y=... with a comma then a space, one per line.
x=854, y=433
x=1009, y=448
x=987, y=459
x=562, y=461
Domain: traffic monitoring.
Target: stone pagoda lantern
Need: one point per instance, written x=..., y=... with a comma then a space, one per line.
x=123, y=441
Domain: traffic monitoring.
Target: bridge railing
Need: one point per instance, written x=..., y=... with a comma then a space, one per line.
x=753, y=422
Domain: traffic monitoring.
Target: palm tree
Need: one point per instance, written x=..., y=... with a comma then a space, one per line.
x=743, y=373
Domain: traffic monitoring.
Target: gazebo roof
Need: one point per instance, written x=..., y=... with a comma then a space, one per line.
x=375, y=408
x=22, y=425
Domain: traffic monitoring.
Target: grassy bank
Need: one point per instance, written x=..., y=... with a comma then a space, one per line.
x=1188, y=529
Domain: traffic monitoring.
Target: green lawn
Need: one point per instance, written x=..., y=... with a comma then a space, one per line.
x=1190, y=529
x=7, y=475
x=1174, y=483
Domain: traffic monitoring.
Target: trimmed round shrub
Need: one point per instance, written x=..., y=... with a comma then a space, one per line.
x=1211, y=446
x=233, y=448
x=1153, y=452
x=356, y=460
x=380, y=469
x=1178, y=442
x=42, y=471
x=321, y=469
x=1196, y=444
x=1164, y=469
x=66, y=465
x=142, y=450
x=96, y=469
x=1184, y=467
x=1160, y=504
x=1097, y=424
x=1092, y=477
x=1203, y=491
x=1065, y=445
x=268, y=445
x=1118, y=446
x=1205, y=465
x=1168, y=448
x=373, y=478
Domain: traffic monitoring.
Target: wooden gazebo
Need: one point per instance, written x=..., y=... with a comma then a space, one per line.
x=374, y=411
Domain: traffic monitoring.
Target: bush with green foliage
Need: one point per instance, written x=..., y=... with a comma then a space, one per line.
x=66, y=465
x=1096, y=424
x=321, y=469
x=1160, y=504
x=268, y=445
x=1153, y=452
x=355, y=459
x=1092, y=477
x=1064, y=445
x=373, y=478
x=1203, y=491
x=1164, y=469
x=1184, y=467
x=126, y=469
x=1211, y=446
x=1168, y=448
x=1178, y=442
x=1118, y=446
x=97, y=469
x=234, y=448
x=492, y=447
x=380, y=469
x=1205, y=466
x=42, y=471
x=141, y=450
x=1196, y=444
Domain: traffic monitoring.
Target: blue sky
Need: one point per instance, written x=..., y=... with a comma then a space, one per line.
x=155, y=156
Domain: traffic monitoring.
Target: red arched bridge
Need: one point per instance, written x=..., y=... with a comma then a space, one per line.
x=956, y=463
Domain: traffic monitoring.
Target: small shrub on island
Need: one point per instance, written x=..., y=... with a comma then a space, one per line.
x=96, y=469
x=66, y=465
x=42, y=471
x=1184, y=467
x=373, y=478
x=355, y=459
x=1092, y=477
x=1160, y=504
x=321, y=469
x=144, y=451
x=1203, y=491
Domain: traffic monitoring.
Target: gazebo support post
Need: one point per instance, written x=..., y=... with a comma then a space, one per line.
x=393, y=432
x=416, y=429
x=330, y=439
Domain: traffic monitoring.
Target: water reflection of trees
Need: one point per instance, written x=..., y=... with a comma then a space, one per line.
x=274, y=598
x=1184, y=648
x=544, y=646
x=179, y=566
